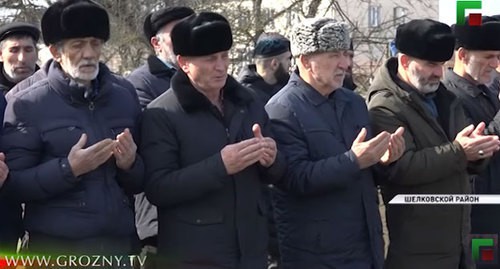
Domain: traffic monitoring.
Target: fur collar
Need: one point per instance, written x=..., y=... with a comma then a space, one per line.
x=158, y=68
x=191, y=99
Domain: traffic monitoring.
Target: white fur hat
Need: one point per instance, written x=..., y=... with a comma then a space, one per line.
x=319, y=35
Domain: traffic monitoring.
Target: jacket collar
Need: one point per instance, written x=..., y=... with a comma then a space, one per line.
x=312, y=94
x=249, y=75
x=250, y=78
x=462, y=83
x=158, y=68
x=393, y=73
x=191, y=99
x=72, y=92
x=384, y=83
x=5, y=83
x=386, y=79
x=46, y=66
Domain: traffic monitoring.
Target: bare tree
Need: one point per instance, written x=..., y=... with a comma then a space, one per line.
x=371, y=38
x=25, y=10
x=128, y=48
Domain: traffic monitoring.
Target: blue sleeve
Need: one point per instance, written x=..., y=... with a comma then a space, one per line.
x=30, y=177
x=142, y=88
x=132, y=180
x=305, y=176
x=3, y=105
x=274, y=173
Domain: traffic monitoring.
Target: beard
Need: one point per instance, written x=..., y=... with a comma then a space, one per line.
x=75, y=72
x=496, y=78
x=15, y=76
x=281, y=74
x=172, y=58
x=473, y=69
x=423, y=84
x=168, y=56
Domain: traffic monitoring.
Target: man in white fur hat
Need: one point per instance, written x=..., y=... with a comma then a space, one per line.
x=326, y=208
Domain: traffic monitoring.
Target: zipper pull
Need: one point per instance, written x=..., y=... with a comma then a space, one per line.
x=91, y=106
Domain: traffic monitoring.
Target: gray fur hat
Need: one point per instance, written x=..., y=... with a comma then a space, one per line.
x=319, y=35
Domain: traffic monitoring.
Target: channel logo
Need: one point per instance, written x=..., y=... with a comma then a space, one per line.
x=484, y=248
x=474, y=18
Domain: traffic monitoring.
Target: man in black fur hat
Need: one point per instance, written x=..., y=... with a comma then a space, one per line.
x=69, y=141
x=495, y=85
x=477, y=54
x=153, y=78
x=441, y=148
x=150, y=81
x=208, y=151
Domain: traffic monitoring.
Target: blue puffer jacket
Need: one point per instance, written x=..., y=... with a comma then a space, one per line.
x=326, y=207
x=151, y=80
x=12, y=227
x=41, y=125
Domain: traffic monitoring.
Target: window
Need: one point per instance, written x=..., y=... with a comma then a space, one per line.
x=400, y=15
x=374, y=15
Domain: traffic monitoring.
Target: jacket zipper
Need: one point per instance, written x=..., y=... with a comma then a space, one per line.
x=99, y=136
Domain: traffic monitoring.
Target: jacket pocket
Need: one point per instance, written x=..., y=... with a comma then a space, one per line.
x=118, y=130
x=264, y=206
x=262, y=225
x=59, y=140
x=200, y=216
x=127, y=201
x=323, y=143
x=119, y=125
x=432, y=229
x=304, y=236
x=69, y=199
x=324, y=236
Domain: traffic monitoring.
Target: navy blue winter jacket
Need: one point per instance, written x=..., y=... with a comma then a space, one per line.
x=42, y=123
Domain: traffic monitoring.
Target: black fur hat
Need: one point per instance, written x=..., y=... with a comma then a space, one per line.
x=202, y=34
x=156, y=20
x=74, y=19
x=483, y=37
x=426, y=39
